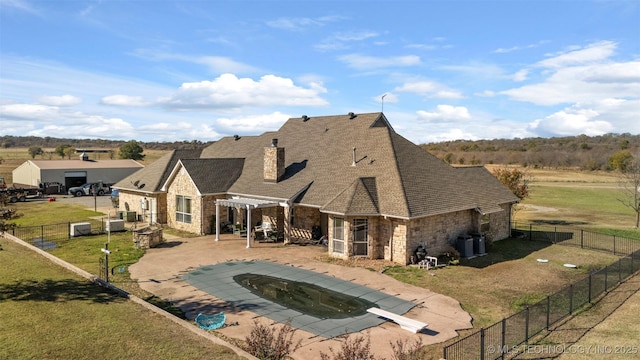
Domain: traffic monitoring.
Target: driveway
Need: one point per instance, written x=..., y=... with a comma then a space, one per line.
x=161, y=271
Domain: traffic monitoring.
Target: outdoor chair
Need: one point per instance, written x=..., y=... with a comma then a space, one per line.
x=238, y=230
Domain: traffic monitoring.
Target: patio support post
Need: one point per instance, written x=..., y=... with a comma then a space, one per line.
x=217, y=221
x=248, y=226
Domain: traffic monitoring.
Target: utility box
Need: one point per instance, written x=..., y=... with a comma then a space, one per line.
x=464, y=245
x=114, y=225
x=478, y=244
x=80, y=229
x=130, y=216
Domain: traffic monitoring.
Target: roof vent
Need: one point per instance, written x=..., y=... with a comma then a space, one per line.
x=305, y=118
x=236, y=137
x=352, y=116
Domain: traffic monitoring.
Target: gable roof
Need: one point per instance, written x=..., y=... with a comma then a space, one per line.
x=348, y=164
x=210, y=176
x=155, y=174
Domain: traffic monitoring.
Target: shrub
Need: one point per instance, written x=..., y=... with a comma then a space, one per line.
x=402, y=350
x=268, y=343
x=358, y=348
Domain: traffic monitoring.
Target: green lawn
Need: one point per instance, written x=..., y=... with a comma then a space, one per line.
x=49, y=313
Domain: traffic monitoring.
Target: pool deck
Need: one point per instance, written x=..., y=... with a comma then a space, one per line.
x=164, y=271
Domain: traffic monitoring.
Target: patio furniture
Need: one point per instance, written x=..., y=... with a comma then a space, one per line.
x=211, y=322
x=238, y=230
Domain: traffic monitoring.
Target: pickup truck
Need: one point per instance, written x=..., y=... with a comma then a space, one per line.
x=87, y=189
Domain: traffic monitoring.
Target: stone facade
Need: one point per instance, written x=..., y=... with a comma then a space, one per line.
x=182, y=185
x=156, y=205
x=273, y=163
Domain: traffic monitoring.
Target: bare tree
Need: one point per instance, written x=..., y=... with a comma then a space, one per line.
x=630, y=185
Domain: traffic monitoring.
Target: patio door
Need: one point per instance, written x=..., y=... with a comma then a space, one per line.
x=360, y=237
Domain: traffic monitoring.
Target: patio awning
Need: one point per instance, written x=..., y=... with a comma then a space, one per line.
x=246, y=202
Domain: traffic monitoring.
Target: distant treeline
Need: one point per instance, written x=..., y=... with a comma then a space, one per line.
x=583, y=152
x=9, y=141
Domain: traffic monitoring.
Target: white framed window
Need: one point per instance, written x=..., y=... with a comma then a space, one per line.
x=338, y=235
x=360, y=237
x=183, y=209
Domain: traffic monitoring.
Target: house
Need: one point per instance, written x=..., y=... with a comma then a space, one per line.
x=70, y=173
x=351, y=178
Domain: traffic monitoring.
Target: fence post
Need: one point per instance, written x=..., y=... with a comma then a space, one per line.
x=69, y=230
x=481, y=343
x=590, y=284
x=42, y=236
x=548, y=310
x=614, y=245
x=581, y=238
x=555, y=234
x=570, y=299
x=530, y=232
x=526, y=326
x=503, y=339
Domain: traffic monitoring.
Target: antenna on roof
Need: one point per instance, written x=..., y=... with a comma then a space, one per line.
x=383, y=101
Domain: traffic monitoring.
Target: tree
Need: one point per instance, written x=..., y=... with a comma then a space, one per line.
x=630, y=185
x=68, y=151
x=60, y=150
x=131, y=150
x=515, y=179
x=34, y=151
x=621, y=160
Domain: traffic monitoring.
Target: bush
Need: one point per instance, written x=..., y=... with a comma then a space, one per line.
x=358, y=348
x=449, y=256
x=402, y=350
x=267, y=343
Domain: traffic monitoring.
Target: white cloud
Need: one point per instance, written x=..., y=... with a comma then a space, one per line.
x=364, y=62
x=29, y=111
x=64, y=100
x=486, y=93
x=254, y=124
x=343, y=40
x=445, y=113
x=87, y=127
x=593, y=53
x=429, y=89
x=230, y=92
x=124, y=100
x=581, y=84
x=572, y=121
x=216, y=64
x=302, y=22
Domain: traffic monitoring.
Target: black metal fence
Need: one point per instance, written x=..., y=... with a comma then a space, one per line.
x=565, y=235
x=50, y=236
x=501, y=340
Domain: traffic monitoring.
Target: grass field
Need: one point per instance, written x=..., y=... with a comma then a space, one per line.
x=50, y=313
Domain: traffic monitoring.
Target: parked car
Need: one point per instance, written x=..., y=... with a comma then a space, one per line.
x=87, y=189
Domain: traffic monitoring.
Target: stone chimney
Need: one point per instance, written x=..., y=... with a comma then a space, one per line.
x=273, y=162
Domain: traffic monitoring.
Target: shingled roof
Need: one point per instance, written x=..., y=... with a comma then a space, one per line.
x=154, y=175
x=211, y=176
x=358, y=165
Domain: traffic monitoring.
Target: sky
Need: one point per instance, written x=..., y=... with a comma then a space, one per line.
x=200, y=70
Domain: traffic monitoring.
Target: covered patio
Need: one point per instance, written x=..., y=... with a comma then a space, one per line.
x=248, y=204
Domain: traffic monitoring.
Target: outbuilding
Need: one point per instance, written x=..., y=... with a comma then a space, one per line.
x=70, y=173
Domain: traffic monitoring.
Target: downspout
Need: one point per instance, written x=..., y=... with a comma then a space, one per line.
x=201, y=213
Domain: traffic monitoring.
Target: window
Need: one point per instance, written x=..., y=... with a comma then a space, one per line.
x=183, y=209
x=360, y=237
x=338, y=235
x=485, y=223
